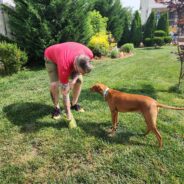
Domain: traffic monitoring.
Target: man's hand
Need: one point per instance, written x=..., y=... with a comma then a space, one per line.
x=73, y=81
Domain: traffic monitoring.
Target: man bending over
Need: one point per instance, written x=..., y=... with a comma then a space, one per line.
x=64, y=61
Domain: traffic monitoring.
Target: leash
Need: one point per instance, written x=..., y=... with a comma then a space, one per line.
x=105, y=92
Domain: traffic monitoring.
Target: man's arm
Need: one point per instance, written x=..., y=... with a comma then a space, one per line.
x=74, y=80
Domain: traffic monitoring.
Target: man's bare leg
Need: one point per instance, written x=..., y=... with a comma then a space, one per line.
x=76, y=92
x=70, y=118
x=54, y=93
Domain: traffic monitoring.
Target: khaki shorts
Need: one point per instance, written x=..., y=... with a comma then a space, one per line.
x=53, y=72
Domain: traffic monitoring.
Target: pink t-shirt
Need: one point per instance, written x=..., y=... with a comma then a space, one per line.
x=63, y=55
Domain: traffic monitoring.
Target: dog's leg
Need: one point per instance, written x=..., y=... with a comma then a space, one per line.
x=114, y=115
x=151, y=119
x=116, y=119
x=159, y=137
x=146, y=117
x=157, y=133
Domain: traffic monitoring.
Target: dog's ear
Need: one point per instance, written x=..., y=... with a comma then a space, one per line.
x=94, y=88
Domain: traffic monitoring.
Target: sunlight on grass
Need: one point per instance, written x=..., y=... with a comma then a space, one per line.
x=36, y=149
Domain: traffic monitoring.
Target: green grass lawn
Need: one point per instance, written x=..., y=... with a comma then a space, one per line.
x=36, y=149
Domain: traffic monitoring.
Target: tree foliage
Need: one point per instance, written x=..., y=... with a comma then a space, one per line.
x=150, y=26
x=95, y=23
x=36, y=24
x=178, y=7
x=113, y=10
x=99, y=44
x=163, y=23
x=125, y=38
x=136, y=30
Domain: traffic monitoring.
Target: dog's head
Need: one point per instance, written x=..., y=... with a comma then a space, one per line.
x=99, y=88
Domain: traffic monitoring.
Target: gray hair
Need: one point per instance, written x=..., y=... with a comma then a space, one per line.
x=83, y=62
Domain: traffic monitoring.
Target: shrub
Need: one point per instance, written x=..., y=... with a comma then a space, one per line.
x=159, y=33
x=168, y=39
x=12, y=57
x=158, y=41
x=115, y=53
x=148, y=42
x=128, y=47
x=99, y=44
x=112, y=41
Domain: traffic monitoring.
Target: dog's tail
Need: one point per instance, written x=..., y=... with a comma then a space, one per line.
x=169, y=107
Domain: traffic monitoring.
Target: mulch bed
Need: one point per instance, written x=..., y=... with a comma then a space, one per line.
x=121, y=56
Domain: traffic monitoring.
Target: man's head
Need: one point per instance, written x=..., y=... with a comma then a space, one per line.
x=82, y=64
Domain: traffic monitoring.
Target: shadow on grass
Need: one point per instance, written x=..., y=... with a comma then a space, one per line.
x=146, y=89
x=175, y=89
x=172, y=89
x=86, y=94
x=122, y=137
x=152, y=48
x=28, y=116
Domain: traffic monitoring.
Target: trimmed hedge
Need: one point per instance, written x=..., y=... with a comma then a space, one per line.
x=158, y=41
x=148, y=42
x=159, y=33
x=168, y=39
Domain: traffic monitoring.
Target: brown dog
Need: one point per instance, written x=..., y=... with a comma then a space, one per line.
x=124, y=102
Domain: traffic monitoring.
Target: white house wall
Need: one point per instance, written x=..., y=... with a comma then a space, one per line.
x=146, y=7
x=4, y=28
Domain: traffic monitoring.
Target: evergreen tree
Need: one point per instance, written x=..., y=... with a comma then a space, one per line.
x=126, y=33
x=113, y=10
x=36, y=24
x=163, y=23
x=136, y=30
x=150, y=26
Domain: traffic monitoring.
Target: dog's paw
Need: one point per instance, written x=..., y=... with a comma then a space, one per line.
x=112, y=134
x=109, y=130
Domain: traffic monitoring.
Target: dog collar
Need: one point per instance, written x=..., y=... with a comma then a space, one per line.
x=105, y=92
